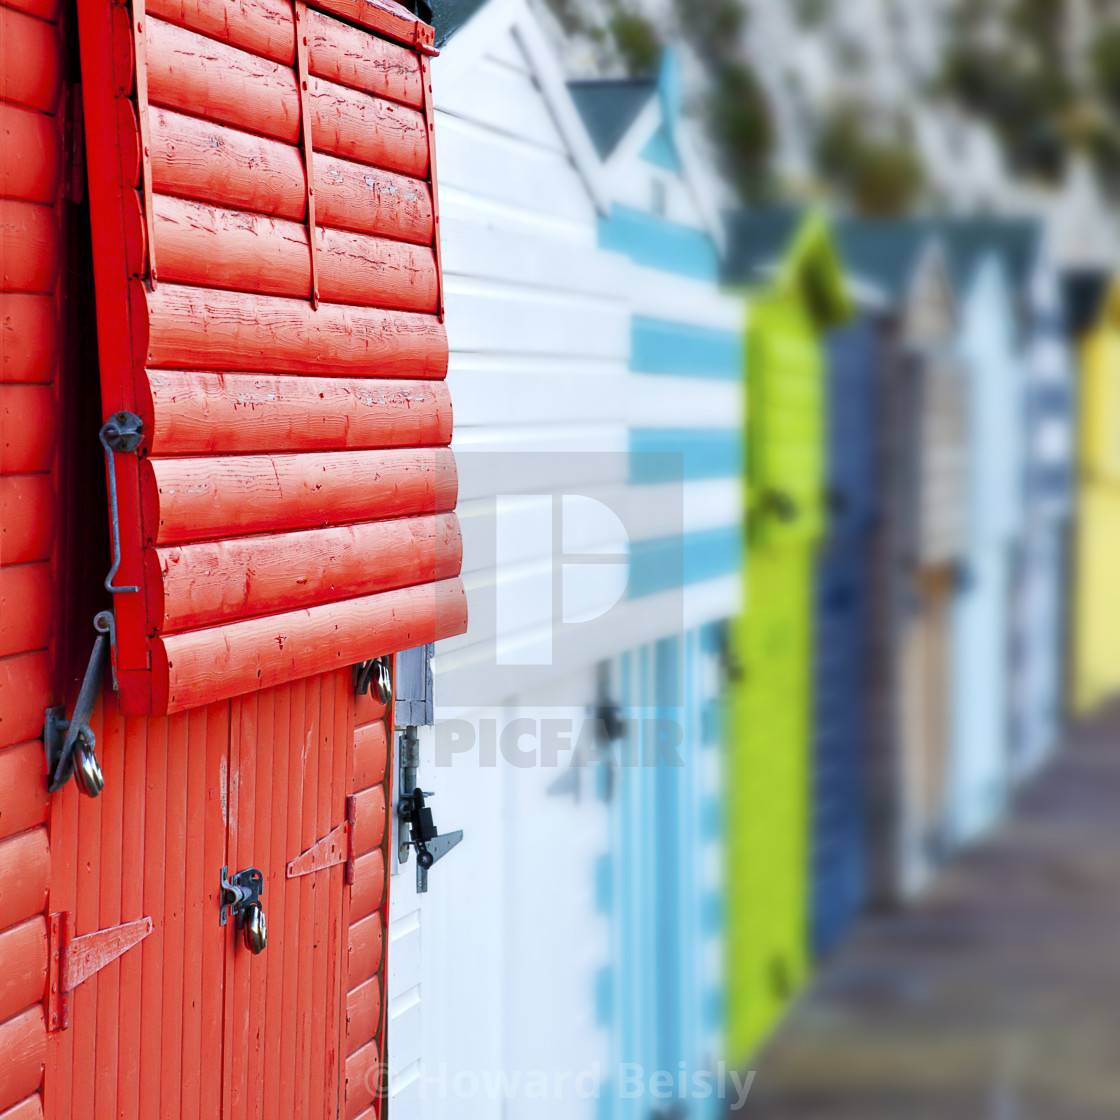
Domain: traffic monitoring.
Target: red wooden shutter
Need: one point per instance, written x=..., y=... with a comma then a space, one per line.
x=269, y=304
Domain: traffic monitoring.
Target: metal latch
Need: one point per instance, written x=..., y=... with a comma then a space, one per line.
x=123, y=431
x=241, y=897
x=69, y=743
x=374, y=674
x=417, y=826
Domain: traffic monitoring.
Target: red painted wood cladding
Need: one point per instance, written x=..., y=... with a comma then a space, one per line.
x=189, y=413
x=371, y=781
x=33, y=226
x=210, y=163
x=289, y=374
x=206, y=584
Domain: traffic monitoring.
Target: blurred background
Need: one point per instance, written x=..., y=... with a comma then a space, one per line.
x=785, y=356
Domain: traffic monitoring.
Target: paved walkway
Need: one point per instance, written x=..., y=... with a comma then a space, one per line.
x=998, y=998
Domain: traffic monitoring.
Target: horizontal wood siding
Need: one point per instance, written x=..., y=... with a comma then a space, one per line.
x=33, y=218
x=199, y=186
x=364, y=972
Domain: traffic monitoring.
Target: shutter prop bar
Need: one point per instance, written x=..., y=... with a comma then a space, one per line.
x=69, y=743
x=303, y=75
x=123, y=431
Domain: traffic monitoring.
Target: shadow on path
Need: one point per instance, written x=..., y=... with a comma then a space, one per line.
x=997, y=997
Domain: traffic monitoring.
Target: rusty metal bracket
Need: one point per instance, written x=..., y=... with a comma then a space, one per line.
x=331, y=849
x=303, y=76
x=75, y=959
x=140, y=56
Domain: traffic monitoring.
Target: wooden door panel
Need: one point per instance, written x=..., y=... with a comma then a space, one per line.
x=289, y=752
x=143, y=1027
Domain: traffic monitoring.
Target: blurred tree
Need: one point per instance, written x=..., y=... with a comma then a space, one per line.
x=879, y=175
x=714, y=28
x=636, y=40
x=1024, y=97
x=742, y=127
x=1105, y=62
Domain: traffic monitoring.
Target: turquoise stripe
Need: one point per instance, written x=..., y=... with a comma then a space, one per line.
x=660, y=151
x=677, y=561
x=657, y=346
x=670, y=454
x=659, y=244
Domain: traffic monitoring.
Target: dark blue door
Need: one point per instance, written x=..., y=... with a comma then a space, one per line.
x=839, y=813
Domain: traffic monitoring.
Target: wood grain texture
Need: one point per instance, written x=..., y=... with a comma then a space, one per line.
x=28, y=338
x=337, y=51
x=363, y=1013
x=368, y=709
x=369, y=819
x=31, y=74
x=232, y=249
x=369, y=885
x=23, y=788
x=371, y=753
x=364, y=950
x=213, y=582
x=363, y=1078
x=192, y=328
x=33, y=154
x=194, y=499
x=198, y=667
x=26, y=688
x=29, y=246
x=23, y=949
x=214, y=80
x=23, y=1047
x=30, y=1108
x=27, y=518
x=188, y=413
x=27, y=606
x=202, y=160
x=28, y=428
x=384, y=17
x=343, y=54
x=24, y=874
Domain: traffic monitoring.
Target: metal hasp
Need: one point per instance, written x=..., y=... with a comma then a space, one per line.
x=241, y=897
x=416, y=824
x=123, y=431
x=69, y=743
x=374, y=674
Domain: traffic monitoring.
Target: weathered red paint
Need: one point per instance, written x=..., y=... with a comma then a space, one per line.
x=230, y=283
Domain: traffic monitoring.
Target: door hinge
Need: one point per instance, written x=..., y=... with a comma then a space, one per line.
x=74, y=959
x=335, y=847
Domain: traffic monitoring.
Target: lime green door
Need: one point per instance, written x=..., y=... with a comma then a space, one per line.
x=770, y=696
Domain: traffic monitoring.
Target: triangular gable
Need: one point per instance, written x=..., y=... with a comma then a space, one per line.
x=812, y=266
x=661, y=136
x=467, y=46
x=930, y=312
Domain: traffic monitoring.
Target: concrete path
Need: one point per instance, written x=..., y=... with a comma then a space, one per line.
x=998, y=997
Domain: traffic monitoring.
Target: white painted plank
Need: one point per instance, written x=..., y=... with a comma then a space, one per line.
x=659, y=401
x=478, y=161
x=646, y=512
x=464, y=675
x=680, y=299
x=532, y=396
x=491, y=250
x=505, y=101
x=486, y=315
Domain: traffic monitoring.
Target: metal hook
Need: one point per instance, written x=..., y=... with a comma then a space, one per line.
x=123, y=431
